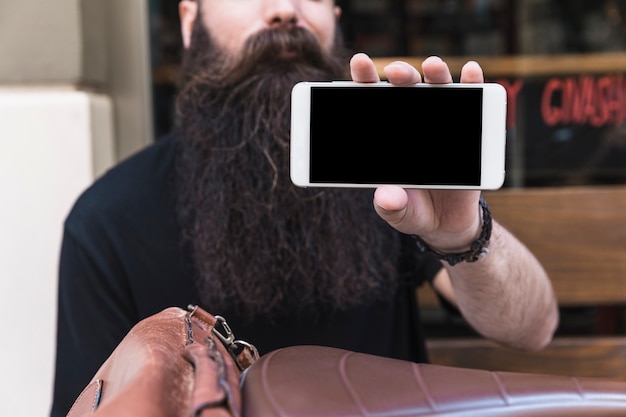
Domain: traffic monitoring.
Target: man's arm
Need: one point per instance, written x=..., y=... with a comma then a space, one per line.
x=506, y=295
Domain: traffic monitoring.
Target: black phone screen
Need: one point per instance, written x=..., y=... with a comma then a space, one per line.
x=396, y=135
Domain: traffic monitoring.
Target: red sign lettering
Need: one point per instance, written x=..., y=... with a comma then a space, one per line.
x=584, y=100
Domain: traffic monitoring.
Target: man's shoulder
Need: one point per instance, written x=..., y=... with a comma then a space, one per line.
x=141, y=181
x=156, y=158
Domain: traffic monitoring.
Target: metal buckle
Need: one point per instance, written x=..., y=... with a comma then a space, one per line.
x=222, y=331
x=235, y=347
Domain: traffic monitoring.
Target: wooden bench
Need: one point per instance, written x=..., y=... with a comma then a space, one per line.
x=579, y=234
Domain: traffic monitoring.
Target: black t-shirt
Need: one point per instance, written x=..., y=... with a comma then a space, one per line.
x=121, y=261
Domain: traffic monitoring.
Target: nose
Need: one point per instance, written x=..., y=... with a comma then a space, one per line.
x=281, y=13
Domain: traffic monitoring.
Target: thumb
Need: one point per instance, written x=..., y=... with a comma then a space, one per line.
x=391, y=204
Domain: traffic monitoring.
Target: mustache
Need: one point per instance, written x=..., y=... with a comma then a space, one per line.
x=271, y=51
x=275, y=59
x=271, y=45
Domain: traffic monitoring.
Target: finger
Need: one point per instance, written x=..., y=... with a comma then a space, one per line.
x=436, y=71
x=392, y=203
x=363, y=70
x=402, y=73
x=390, y=199
x=472, y=73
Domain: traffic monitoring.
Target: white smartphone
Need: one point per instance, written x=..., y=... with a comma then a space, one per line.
x=446, y=136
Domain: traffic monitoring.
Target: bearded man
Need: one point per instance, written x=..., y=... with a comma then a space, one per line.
x=208, y=216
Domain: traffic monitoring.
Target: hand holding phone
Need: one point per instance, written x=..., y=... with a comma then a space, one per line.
x=437, y=136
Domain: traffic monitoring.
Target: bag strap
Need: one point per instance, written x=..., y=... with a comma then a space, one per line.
x=213, y=394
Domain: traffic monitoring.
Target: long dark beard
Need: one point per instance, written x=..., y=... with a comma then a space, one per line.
x=259, y=244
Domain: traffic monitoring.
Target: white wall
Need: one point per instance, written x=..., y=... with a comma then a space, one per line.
x=52, y=145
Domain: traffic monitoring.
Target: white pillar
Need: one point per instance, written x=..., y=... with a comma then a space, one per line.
x=74, y=99
x=48, y=146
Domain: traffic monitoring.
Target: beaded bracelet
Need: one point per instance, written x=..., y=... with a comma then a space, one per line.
x=478, y=249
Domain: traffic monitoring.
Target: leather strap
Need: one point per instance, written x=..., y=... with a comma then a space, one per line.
x=211, y=349
x=212, y=394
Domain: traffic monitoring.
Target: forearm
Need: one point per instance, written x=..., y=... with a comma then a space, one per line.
x=506, y=295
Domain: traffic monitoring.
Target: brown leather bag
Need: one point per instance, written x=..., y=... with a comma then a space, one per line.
x=188, y=363
x=175, y=363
